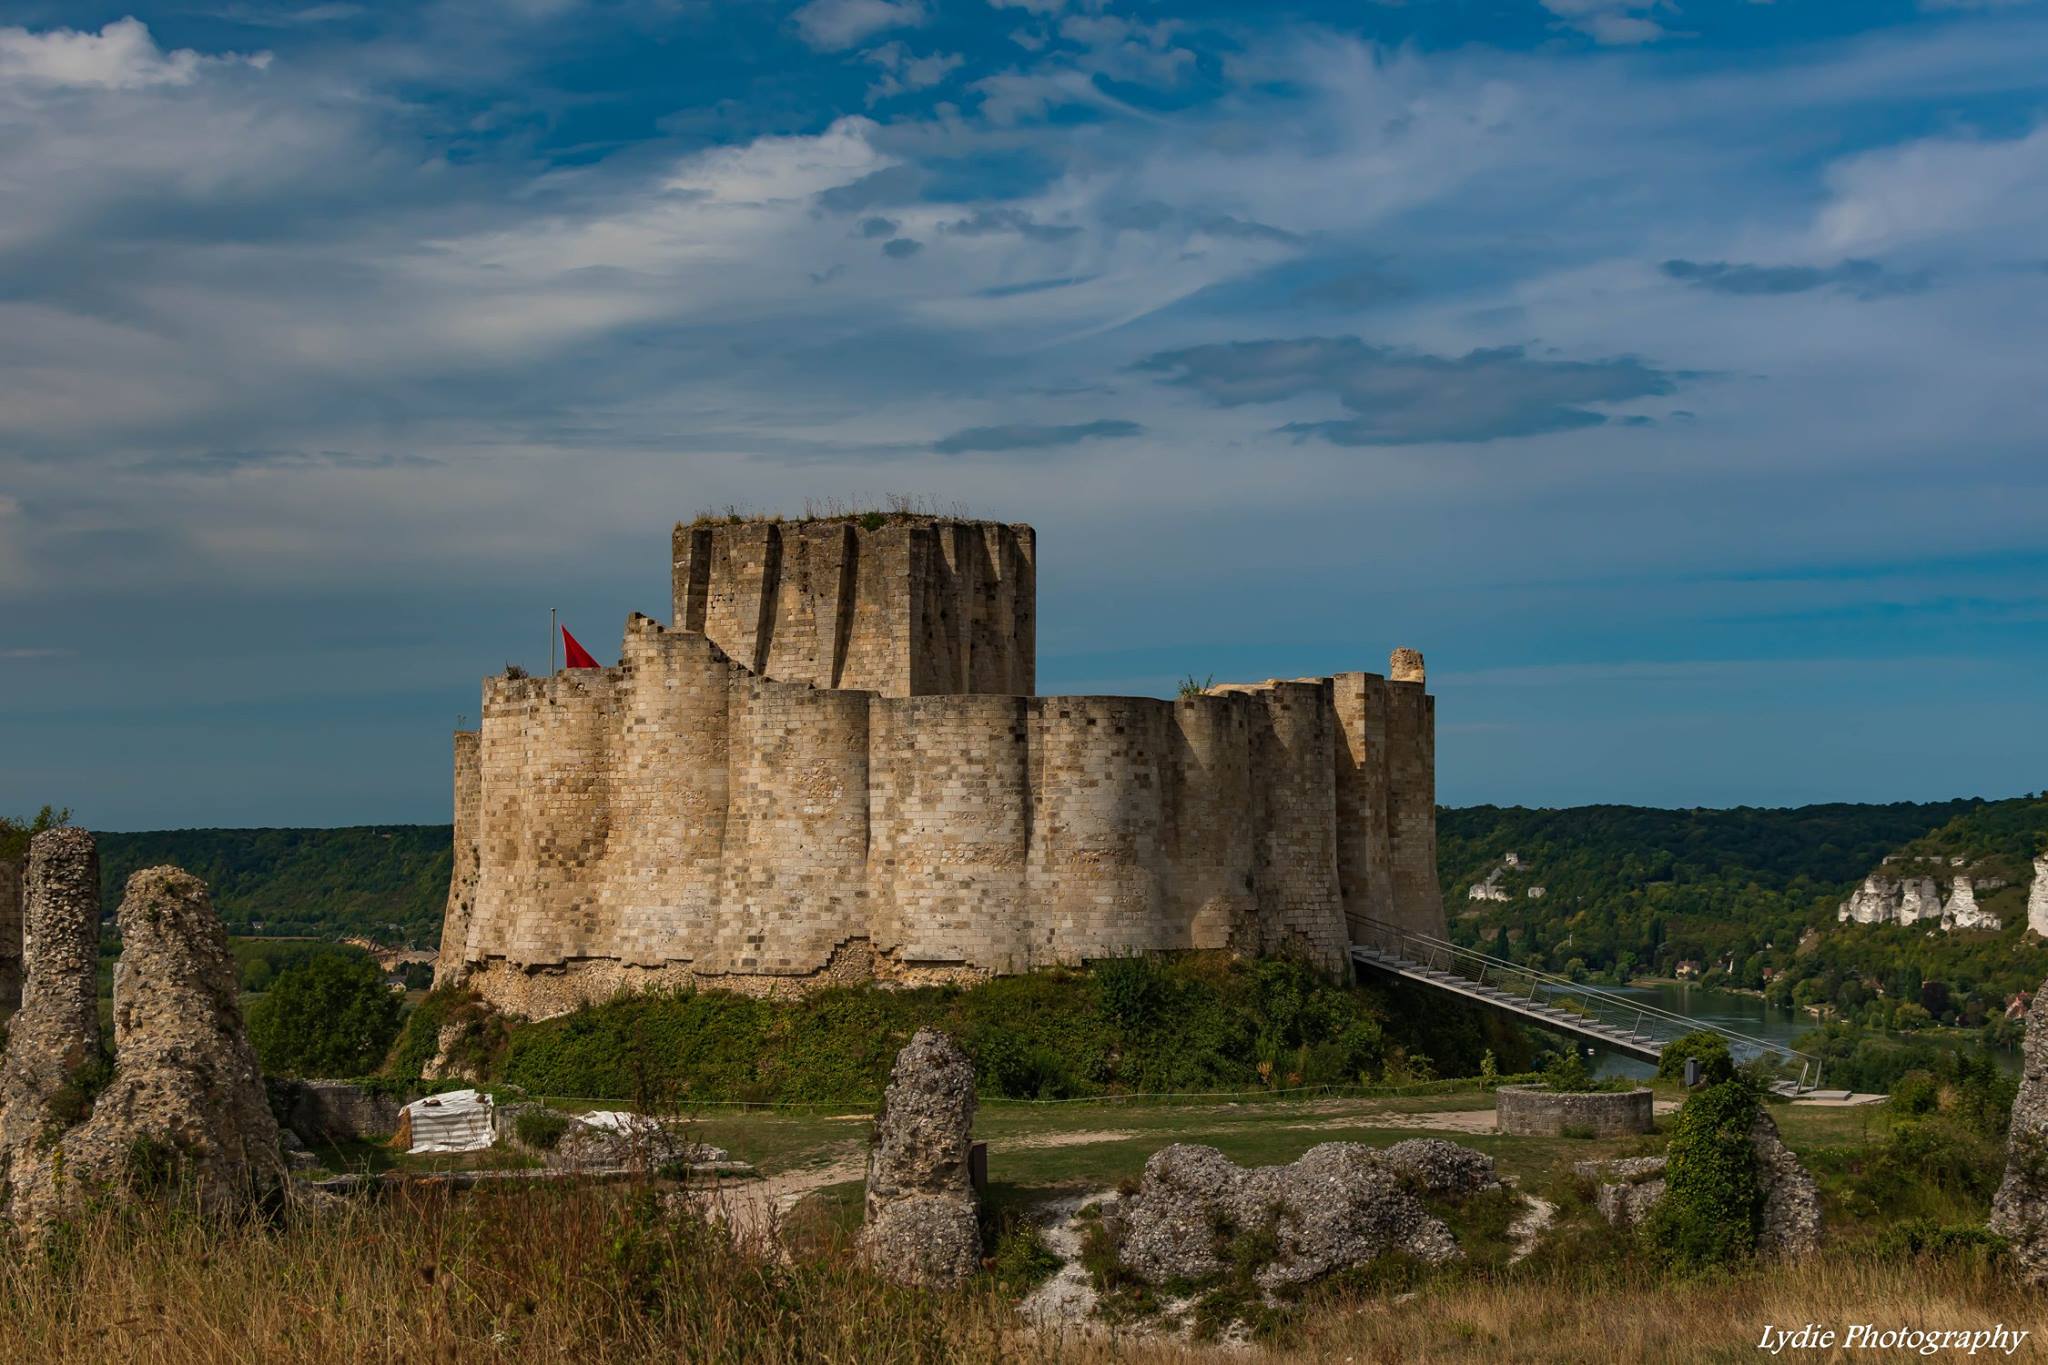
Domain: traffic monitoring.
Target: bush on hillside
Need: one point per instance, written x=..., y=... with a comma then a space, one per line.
x=332, y=1016
x=1131, y=1025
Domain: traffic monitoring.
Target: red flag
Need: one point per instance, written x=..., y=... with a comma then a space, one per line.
x=575, y=655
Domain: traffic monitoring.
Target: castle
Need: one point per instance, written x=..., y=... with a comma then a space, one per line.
x=832, y=767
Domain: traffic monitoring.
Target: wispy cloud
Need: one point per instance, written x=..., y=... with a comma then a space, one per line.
x=1864, y=279
x=1030, y=436
x=834, y=24
x=1404, y=398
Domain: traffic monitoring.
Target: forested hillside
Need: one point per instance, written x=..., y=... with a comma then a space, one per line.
x=383, y=882
x=1750, y=896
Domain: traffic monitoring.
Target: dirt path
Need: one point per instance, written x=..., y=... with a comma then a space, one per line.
x=754, y=1209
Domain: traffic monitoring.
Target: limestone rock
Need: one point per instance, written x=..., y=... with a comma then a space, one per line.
x=1342, y=1204
x=1919, y=899
x=1405, y=665
x=2019, y=1211
x=2037, y=898
x=185, y=1109
x=1874, y=902
x=921, y=1225
x=1962, y=910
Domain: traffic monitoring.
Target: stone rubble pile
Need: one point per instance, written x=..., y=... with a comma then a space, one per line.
x=182, y=1108
x=1341, y=1204
x=922, y=1226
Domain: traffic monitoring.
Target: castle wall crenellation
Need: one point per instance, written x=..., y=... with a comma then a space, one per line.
x=684, y=817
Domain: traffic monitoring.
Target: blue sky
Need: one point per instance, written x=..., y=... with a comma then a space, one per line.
x=1670, y=373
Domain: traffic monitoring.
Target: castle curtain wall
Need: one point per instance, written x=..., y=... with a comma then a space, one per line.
x=686, y=817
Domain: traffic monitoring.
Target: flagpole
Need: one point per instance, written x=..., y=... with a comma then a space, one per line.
x=551, y=642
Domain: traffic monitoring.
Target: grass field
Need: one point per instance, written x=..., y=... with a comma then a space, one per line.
x=621, y=1272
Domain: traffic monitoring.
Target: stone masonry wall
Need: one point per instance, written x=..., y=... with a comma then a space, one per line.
x=914, y=607
x=680, y=818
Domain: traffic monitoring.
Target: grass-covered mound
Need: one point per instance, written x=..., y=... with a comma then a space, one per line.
x=1134, y=1025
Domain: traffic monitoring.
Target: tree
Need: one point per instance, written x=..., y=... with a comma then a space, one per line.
x=332, y=1016
x=15, y=834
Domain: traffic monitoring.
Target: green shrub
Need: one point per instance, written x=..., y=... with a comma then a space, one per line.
x=1716, y=1065
x=1127, y=1025
x=541, y=1128
x=1916, y=1092
x=331, y=1016
x=1713, y=1195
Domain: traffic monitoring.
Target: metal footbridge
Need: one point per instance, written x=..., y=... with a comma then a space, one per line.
x=1550, y=1001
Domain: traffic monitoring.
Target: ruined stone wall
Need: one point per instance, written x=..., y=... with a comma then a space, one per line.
x=679, y=818
x=912, y=607
x=1418, y=903
x=462, y=881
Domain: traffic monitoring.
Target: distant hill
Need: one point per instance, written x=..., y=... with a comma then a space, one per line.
x=383, y=882
x=1749, y=895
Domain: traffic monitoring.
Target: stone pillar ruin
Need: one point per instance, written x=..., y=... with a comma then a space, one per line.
x=182, y=1110
x=921, y=1226
x=2019, y=1211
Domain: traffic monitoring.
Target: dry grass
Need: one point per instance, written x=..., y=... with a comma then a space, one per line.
x=608, y=1274
x=585, y=1273
x=1629, y=1314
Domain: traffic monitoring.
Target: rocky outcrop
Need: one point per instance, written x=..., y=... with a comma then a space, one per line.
x=1962, y=910
x=2037, y=898
x=1919, y=899
x=921, y=1225
x=1625, y=1191
x=1874, y=902
x=1342, y=1204
x=183, y=1110
x=2019, y=1211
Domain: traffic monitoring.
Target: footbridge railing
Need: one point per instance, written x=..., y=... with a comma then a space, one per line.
x=1551, y=1001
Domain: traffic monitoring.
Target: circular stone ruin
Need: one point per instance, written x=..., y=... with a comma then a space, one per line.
x=1537, y=1111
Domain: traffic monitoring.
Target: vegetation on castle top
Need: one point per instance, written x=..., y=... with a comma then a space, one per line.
x=871, y=516
x=1134, y=1025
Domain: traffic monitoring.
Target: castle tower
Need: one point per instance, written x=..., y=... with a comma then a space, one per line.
x=902, y=606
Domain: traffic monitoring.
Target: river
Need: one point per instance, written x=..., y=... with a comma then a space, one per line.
x=1728, y=1009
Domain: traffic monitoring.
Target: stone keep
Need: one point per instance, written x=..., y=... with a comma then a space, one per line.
x=831, y=767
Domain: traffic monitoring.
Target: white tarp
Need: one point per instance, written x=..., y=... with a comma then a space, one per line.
x=457, y=1121
x=619, y=1121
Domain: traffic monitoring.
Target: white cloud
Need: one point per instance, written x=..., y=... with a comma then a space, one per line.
x=1614, y=23
x=121, y=56
x=1939, y=188
x=830, y=25
x=904, y=72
